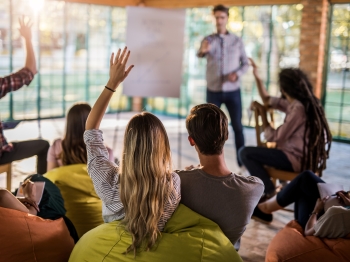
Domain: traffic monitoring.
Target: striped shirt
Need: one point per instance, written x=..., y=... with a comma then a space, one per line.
x=226, y=55
x=105, y=177
x=10, y=83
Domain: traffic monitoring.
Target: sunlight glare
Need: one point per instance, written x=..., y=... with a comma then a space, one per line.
x=37, y=5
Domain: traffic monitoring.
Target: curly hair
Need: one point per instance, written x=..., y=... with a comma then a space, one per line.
x=296, y=84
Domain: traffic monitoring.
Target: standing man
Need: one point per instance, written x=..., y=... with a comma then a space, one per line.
x=226, y=63
x=19, y=150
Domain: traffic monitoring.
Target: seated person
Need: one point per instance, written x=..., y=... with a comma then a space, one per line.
x=144, y=192
x=20, y=150
x=213, y=190
x=51, y=205
x=309, y=208
x=304, y=139
x=72, y=149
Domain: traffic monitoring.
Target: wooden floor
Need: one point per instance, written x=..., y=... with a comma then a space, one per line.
x=257, y=236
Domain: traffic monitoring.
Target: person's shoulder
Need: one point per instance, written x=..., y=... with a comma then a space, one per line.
x=175, y=175
x=252, y=180
x=185, y=173
x=211, y=35
x=58, y=140
x=57, y=143
x=336, y=210
x=297, y=105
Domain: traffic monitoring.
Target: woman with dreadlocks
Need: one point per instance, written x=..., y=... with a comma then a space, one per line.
x=302, y=142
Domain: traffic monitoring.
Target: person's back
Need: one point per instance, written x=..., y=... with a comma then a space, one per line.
x=213, y=190
x=229, y=201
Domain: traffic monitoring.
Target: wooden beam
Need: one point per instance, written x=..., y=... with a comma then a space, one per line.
x=186, y=4
x=194, y=3
x=340, y=1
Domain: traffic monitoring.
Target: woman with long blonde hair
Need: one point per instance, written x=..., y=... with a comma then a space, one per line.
x=143, y=192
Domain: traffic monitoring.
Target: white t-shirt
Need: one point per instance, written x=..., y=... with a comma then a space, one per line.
x=334, y=223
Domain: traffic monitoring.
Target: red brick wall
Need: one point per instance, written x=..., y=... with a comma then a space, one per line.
x=313, y=40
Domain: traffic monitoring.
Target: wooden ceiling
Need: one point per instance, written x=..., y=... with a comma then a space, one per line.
x=192, y=3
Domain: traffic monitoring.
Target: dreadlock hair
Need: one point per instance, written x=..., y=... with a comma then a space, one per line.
x=296, y=84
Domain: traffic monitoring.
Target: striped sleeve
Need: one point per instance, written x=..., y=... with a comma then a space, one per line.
x=172, y=202
x=104, y=175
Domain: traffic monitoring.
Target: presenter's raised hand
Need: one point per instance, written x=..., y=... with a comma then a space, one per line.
x=117, y=72
x=205, y=47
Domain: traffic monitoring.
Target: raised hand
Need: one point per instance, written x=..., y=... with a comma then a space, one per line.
x=255, y=67
x=117, y=72
x=205, y=47
x=25, y=28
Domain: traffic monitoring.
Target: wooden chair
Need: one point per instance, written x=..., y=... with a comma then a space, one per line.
x=7, y=168
x=273, y=172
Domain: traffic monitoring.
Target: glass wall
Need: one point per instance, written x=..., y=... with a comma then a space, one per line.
x=73, y=41
x=337, y=95
x=72, y=44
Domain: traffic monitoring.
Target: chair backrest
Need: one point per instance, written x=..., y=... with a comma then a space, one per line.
x=259, y=128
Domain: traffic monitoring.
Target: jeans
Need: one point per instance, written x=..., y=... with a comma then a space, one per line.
x=255, y=158
x=233, y=102
x=302, y=191
x=25, y=149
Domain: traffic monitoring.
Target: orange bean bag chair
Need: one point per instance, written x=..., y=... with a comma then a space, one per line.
x=291, y=245
x=27, y=238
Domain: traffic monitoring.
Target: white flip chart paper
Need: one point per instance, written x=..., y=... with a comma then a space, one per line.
x=156, y=40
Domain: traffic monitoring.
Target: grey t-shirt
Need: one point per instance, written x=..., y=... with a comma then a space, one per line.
x=228, y=201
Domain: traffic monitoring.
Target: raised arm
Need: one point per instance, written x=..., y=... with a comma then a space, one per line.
x=24, y=76
x=25, y=31
x=261, y=88
x=117, y=74
x=103, y=172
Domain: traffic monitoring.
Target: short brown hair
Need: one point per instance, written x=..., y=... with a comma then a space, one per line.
x=221, y=8
x=208, y=127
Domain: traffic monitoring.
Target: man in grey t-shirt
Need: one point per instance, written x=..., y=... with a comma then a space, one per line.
x=213, y=190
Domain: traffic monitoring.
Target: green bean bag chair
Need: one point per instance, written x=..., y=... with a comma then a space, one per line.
x=84, y=207
x=187, y=237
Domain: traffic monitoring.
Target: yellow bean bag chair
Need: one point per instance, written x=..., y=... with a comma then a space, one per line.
x=84, y=207
x=187, y=237
x=29, y=238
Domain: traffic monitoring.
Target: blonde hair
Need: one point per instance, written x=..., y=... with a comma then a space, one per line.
x=145, y=179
